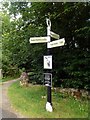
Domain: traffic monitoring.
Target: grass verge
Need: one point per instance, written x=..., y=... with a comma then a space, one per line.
x=29, y=102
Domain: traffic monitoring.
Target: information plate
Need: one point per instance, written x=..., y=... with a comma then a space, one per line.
x=38, y=39
x=48, y=62
x=48, y=79
x=54, y=35
x=56, y=43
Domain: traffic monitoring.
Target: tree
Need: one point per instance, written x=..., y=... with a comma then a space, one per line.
x=70, y=20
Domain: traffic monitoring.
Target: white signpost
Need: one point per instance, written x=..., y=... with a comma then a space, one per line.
x=48, y=62
x=38, y=40
x=48, y=58
x=56, y=43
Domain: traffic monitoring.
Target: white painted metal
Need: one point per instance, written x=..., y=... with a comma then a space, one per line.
x=49, y=107
x=54, y=35
x=56, y=43
x=39, y=39
x=48, y=62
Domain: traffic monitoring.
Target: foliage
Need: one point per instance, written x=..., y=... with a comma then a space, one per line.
x=71, y=20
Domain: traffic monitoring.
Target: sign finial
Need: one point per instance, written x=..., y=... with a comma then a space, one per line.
x=48, y=22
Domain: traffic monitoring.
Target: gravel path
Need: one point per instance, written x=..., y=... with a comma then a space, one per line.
x=6, y=110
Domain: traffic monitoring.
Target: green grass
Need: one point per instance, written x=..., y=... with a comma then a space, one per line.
x=5, y=79
x=29, y=102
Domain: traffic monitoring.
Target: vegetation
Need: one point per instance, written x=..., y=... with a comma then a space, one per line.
x=22, y=20
x=30, y=103
x=5, y=79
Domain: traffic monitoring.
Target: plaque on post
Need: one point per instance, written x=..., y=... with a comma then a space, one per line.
x=48, y=62
x=48, y=79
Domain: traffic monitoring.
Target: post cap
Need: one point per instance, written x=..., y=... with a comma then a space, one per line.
x=48, y=22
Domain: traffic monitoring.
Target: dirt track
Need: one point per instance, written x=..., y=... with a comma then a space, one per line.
x=6, y=110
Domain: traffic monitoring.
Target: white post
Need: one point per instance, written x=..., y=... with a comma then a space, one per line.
x=48, y=30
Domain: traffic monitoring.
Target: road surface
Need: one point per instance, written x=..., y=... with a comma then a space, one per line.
x=6, y=110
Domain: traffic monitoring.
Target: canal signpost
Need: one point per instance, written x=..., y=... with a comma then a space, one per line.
x=48, y=59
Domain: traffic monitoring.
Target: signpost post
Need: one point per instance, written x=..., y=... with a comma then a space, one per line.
x=48, y=59
x=49, y=97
